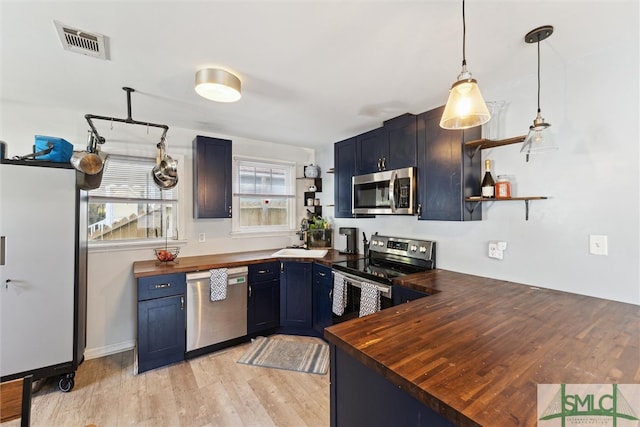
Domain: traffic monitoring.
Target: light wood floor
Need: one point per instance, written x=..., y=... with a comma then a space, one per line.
x=211, y=390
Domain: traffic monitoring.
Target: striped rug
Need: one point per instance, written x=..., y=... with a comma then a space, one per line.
x=292, y=356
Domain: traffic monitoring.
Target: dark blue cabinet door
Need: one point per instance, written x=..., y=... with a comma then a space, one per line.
x=403, y=295
x=372, y=151
x=295, y=295
x=446, y=175
x=211, y=177
x=402, y=140
x=359, y=396
x=344, y=161
x=161, y=332
x=322, y=297
x=264, y=306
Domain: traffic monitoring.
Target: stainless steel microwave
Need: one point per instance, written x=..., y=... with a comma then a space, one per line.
x=391, y=192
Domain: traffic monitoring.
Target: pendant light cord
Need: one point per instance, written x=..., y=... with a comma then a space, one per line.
x=538, y=74
x=464, y=37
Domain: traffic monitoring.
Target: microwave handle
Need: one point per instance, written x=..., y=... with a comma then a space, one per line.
x=392, y=191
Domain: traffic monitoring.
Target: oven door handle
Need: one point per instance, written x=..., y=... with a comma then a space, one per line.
x=358, y=284
x=392, y=191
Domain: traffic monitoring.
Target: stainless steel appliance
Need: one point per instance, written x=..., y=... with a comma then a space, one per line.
x=389, y=258
x=212, y=322
x=387, y=192
x=351, y=246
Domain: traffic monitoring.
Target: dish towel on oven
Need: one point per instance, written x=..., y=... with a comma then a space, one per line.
x=339, y=294
x=218, y=284
x=369, y=299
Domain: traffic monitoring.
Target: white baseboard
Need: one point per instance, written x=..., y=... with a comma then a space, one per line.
x=94, y=353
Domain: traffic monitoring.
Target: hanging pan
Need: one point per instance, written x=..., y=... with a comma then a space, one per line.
x=165, y=172
x=91, y=161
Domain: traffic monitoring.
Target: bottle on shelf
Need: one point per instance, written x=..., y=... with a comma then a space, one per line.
x=488, y=184
x=503, y=187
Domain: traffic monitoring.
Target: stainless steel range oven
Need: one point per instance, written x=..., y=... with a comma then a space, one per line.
x=389, y=258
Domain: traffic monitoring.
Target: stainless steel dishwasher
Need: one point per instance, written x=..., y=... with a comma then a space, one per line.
x=212, y=322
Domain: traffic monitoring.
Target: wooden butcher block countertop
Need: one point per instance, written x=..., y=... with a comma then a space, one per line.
x=236, y=259
x=476, y=348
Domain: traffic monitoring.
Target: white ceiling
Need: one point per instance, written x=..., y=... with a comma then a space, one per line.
x=313, y=72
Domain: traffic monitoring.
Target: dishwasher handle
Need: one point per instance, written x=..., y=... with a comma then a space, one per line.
x=232, y=272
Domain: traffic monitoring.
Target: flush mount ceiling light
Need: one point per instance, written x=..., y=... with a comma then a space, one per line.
x=217, y=85
x=465, y=107
x=539, y=139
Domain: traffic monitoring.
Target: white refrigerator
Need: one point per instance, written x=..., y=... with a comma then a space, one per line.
x=42, y=271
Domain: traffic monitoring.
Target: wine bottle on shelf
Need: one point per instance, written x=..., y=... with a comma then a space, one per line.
x=488, y=184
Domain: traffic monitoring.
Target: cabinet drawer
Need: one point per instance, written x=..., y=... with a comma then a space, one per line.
x=161, y=286
x=264, y=271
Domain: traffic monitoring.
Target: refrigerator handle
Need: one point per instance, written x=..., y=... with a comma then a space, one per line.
x=2, y=249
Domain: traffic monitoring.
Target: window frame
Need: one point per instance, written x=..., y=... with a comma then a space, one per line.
x=131, y=244
x=290, y=196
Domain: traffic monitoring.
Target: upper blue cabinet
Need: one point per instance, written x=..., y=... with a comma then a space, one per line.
x=446, y=175
x=211, y=177
x=392, y=146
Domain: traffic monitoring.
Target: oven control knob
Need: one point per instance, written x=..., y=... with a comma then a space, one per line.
x=423, y=249
x=414, y=248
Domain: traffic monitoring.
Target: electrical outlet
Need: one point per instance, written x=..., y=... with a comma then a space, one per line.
x=598, y=245
x=201, y=237
x=494, y=250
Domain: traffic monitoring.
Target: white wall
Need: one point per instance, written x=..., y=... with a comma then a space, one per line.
x=111, y=287
x=592, y=183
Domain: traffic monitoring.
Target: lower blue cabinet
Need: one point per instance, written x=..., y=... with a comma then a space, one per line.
x=161, y=321
x=295, y=295
x=263, y=311
x=322, y=297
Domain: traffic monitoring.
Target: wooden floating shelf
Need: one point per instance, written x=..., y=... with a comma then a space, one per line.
x=495, y=199
x=476, y=200
x=491, y=143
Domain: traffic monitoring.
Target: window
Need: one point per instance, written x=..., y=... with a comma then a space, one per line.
x=264, y=196
x=129, y=206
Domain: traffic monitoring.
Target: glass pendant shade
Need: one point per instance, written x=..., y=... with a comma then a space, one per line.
x=465, y=107
x=539, y=139
x=217, y=85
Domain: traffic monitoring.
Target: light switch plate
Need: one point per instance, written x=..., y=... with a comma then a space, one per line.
x=598, y=244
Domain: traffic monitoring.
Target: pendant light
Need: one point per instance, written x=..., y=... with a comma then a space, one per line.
x=465, y=107
x=217, y=85
x=539, y=139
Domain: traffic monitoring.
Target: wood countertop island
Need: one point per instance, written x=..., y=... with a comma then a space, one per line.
x=475, y=350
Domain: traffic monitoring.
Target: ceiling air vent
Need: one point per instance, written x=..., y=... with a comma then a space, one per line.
x=80, y=41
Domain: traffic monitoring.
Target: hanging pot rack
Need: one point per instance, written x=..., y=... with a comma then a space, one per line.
x=100, y=140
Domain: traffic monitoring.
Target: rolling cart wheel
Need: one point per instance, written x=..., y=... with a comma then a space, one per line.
x=66, y=383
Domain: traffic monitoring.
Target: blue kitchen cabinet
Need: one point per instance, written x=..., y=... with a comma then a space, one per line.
x=372, y=150
x=161, y=320
x=446, y=175
x=392, y=146
x=403, y=295
x=344, y=161
x=211, y=177
x=322, y=297
x=263, y=301
x=296, y=295
x=360, y=396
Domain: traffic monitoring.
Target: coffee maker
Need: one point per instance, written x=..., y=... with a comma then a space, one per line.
x=352, y=243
